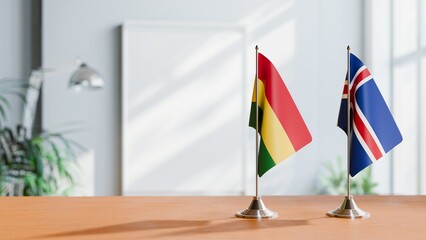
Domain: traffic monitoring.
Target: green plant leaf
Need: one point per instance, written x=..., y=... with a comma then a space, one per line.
x=334, y=179
x=47, y=160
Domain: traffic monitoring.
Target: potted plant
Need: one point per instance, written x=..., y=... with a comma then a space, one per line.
x=33, y=166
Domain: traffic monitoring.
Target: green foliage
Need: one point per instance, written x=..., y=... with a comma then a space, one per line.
x=33, y=166
x=334, y=181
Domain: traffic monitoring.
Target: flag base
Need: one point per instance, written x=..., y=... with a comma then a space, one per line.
x=348, y=209
x=257, y=209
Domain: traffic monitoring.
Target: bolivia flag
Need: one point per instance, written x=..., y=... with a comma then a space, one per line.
x=281, y=127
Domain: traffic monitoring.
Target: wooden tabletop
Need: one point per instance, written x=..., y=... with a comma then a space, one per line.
x=300, y=217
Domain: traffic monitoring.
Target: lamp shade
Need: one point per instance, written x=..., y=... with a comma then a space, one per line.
x=86, y=77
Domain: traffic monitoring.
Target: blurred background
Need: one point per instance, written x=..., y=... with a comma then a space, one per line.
x=172, y=117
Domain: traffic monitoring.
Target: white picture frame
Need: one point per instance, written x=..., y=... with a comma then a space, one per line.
x=184, y=108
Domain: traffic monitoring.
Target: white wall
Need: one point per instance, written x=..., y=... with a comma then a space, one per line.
x=305, y=39
x=15, y=47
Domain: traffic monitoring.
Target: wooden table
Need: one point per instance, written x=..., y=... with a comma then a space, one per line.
x=300, y=217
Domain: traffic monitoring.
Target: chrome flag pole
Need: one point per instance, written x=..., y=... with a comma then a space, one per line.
x=257, y=208
x=348, y=209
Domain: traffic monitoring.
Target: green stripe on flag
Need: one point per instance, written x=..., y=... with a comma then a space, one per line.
x=265, y=160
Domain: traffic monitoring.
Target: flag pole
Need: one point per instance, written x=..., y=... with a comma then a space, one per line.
x=257, y=208
x=348, y=179
x=257, y=122
x=348, y=209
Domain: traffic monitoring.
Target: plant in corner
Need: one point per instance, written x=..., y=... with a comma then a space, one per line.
x=33, y=166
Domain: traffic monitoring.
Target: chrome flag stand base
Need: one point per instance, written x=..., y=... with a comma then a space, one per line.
x=349, y=209
x=257, y=209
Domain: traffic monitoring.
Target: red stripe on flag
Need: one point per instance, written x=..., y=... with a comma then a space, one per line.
x=282, y=103
x=366, y=135
x=345, y=89
x=363, y=74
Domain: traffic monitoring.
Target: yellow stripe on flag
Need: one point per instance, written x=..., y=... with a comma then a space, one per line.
x=273, y=134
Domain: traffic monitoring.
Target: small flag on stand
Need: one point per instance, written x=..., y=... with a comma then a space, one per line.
x=369, y=125
x=281, y=127
x=276, y=119
x=373, y=129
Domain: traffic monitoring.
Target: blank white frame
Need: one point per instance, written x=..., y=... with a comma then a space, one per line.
x=146, y=27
